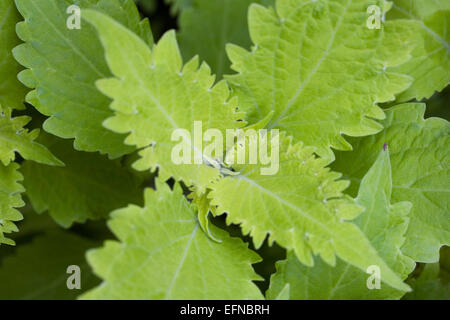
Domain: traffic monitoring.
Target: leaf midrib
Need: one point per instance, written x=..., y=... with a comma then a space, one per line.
x=316, y=67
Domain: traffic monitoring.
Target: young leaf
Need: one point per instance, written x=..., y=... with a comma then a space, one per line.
x=63, y=65
x=383, y=223
x=10, y=199
x=38, y=270
x=15, y=138
x=420, y=173
x=154, y=94
x=319, y=67
x=163, y=254
x=203, y=205
x=301, y=207
x=12, y=92
x=430, y=65
x=225, y=20
x=92, y=185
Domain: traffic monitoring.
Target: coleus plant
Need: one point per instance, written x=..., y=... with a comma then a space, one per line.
x=363, y=177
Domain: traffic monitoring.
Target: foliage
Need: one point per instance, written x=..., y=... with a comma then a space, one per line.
x=384, y=224
x=420, y=174
x=166, y=233
x=362, y=179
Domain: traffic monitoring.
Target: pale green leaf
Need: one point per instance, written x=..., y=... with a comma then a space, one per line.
x=319, y=67
x=204, y=207
x=15, y=138
x=163, y=254
x=89, y=186
x=10, y=200
x=284, y=293
x=154, y=94
x=64, y=64
x=430, y=65
x=420, y=157
x=12, y=92
x=301, y=207
x=383, y=223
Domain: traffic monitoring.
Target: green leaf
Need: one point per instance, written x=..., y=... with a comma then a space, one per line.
x=10, y=199
x=163, y=254
x=154, y=94
x=89, y=186
x=383, y=223
x=12, y=92
x=15, y=138
x=319, y=67
x=225, y=20
x=203, y=205
x=38, y=270
x=284, y=293
x=420, y=159
x=301, y=207
x=63, y=66
x=430, y=63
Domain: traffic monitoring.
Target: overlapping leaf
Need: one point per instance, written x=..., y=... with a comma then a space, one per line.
x=420, y=173
x=163, y=254
x=10, y=199
x=382, y=222
x=15, y=138
x=316, y=70
x=12, y=92
x=154, y=95
x=321, y=70
x=430, y=65
x=89, y=186
x=63, y=65
x=301, y=207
